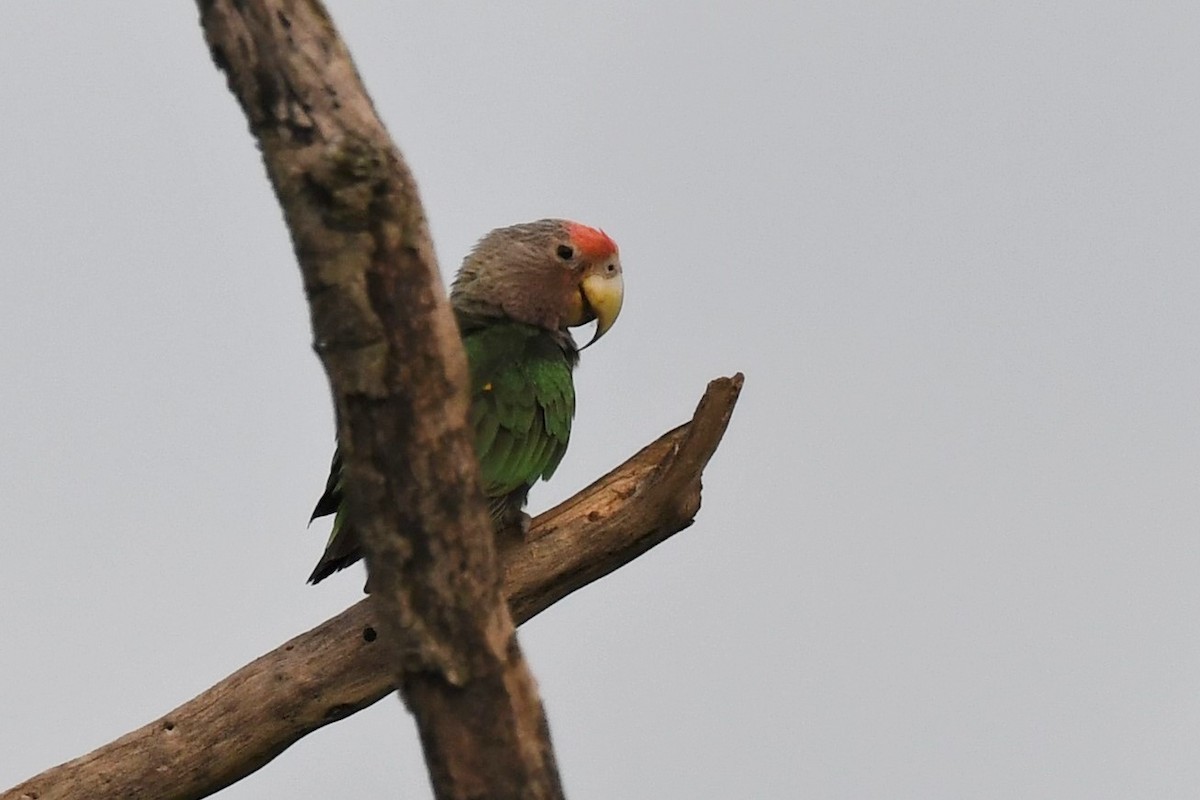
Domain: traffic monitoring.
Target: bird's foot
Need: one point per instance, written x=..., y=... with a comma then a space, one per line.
x=515, y=526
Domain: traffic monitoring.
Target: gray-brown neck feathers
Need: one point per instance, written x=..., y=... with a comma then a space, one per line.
x=514, y=273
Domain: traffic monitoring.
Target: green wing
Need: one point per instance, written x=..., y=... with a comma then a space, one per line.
x=522, y=403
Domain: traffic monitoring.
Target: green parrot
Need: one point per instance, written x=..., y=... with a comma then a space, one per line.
x=515, y=296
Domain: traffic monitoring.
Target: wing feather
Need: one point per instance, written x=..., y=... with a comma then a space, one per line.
x=522, y=403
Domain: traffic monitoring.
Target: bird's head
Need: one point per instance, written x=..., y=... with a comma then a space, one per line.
x=552, y=273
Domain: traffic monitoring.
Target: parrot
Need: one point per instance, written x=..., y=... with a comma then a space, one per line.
x=515, y=298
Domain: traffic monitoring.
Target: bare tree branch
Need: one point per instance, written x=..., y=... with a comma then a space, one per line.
x=388, y=341
x=339, y=668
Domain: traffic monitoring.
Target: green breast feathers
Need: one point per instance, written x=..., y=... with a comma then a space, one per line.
x=522, y=403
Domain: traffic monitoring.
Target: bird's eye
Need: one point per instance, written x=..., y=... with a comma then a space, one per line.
x=610, y=268
x=565, y=252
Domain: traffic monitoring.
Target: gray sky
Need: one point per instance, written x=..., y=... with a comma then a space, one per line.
x=949, y=546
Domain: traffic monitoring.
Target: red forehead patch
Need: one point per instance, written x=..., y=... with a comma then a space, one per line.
x=592, y=242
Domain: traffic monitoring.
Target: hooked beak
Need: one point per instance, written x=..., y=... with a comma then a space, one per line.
x=603, y=295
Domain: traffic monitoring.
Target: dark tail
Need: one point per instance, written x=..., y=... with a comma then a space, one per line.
x=342, y=549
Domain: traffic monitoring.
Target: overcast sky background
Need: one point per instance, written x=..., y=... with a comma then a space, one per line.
x=949, y=547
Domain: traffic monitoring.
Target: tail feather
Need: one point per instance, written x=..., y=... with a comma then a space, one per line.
x=331, y=499
x=342, y=550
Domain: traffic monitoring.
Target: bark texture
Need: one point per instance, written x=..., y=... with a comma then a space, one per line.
x=389, y=344
x=343, y=665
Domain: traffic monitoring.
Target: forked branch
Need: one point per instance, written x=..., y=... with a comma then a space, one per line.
x=339, y=667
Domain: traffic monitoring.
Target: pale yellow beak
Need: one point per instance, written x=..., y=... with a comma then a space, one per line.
x=604, y=294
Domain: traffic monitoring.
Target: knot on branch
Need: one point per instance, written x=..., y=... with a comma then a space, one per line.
x=348, y=181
